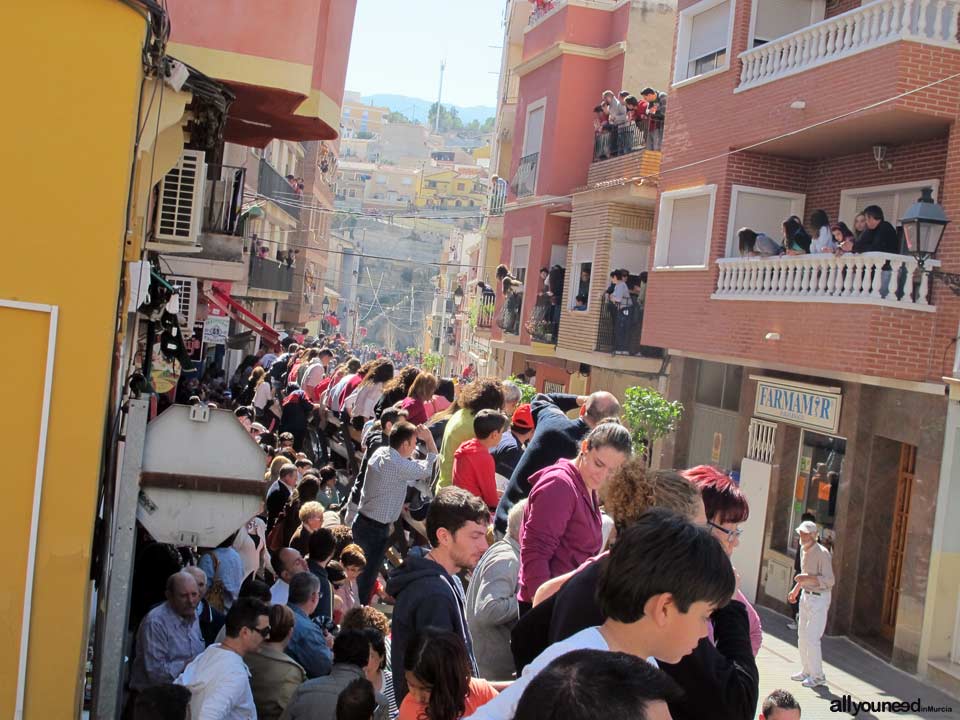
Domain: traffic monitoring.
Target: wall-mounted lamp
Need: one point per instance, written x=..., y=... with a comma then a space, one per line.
x=880, y=155
x=772, y=336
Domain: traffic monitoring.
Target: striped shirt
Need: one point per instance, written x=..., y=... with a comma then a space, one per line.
x=388, y=476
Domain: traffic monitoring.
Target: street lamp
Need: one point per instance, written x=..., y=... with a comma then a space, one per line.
x=458, y=295
x=325, y=305
x=923, y=226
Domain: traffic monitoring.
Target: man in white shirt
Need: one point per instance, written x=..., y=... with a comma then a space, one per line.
x=286, y=563
x=815, y=582
x=218, y=679
x=662, y=580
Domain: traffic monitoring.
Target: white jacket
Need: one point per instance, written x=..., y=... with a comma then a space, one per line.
x=220, y=685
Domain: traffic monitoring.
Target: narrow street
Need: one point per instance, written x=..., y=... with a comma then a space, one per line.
x=850, y=670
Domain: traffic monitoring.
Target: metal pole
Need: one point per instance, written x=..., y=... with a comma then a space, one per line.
x=117, y=571
x=436, y=127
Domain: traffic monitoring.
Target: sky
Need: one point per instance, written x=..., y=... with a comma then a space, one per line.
x=397, y=47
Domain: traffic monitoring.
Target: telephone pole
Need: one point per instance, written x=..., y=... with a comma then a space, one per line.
x=436, y=124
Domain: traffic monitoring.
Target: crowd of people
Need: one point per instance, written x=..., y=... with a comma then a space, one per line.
x=472, y=556
x=623, y=122
x=871, y=233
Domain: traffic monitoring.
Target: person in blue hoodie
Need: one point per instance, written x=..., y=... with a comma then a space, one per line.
x=426, y=587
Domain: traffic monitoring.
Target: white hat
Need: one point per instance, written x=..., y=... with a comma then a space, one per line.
x=807, y=526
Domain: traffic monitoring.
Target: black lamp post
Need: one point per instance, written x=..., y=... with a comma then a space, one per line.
x=325, y=304
x=923, y=226
x=458, y=295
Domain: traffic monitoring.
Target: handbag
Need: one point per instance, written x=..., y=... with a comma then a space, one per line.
x=217, y=592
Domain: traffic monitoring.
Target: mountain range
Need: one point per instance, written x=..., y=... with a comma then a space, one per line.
x=419, y=109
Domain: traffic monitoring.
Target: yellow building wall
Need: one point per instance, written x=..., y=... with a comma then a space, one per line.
x=74, y=133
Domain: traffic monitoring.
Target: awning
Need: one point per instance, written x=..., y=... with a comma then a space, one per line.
x=238, y=312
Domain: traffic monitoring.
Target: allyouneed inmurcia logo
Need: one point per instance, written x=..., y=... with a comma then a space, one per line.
x=848, y=705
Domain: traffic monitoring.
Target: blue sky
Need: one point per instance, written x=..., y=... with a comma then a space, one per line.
x=409, y=38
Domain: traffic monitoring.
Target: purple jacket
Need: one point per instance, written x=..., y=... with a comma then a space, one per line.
x=561, y=527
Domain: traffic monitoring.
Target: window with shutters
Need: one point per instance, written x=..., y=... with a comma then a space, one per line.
x=582, y=254
x=684, y=228
x=703, y=39
x=180, y=200
x=761, y=210
x=186, y=288
x=519, y=257
x=772, y=19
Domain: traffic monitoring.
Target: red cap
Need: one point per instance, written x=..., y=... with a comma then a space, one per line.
x=522, y=417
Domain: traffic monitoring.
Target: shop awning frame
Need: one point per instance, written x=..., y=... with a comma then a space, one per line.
x=240, y=314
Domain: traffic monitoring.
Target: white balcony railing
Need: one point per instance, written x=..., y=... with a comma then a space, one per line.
x=852, y=279
x=861, y=29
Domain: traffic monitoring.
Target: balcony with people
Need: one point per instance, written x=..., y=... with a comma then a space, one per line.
x=627, y=135
x=271, y=266
x=791, y=282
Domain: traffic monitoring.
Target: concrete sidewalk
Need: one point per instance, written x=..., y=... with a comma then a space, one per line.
x=850, y=670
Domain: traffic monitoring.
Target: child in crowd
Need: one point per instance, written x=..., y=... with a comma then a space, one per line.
x=328, y=496
x=439, y=679
x=473, y=466
x=353, y=561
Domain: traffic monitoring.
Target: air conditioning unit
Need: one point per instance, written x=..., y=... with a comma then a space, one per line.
x=186, y=288
x=180, y=200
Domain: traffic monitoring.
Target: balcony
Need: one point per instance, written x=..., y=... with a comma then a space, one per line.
x=526, y=180
x=880, y=279
x=544, y=322
x=933, y=22
x=274, y=186
x=624, y=152
x=485, y=304
x=624, y=340
x=267, y=274
x=509, y=317
x=621, y=140
x=498, y=196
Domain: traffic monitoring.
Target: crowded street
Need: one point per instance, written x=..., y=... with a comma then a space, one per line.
x=491, y=360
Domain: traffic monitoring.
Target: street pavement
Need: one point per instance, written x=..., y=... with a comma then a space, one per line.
x=850, y=670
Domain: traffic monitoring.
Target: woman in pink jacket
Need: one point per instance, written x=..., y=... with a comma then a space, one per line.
x=561, y=525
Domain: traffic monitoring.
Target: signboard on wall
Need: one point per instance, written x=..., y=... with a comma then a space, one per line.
x=216, y=329
x=809, y=406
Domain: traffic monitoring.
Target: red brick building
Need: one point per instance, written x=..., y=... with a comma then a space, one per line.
x=818, y=378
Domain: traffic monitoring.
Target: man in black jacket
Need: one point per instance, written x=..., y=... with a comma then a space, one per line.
x=556, y=436
x=427, y=589
x=880, y=236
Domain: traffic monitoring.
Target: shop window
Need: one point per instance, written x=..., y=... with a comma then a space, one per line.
x=819, y=470
x=718, y=385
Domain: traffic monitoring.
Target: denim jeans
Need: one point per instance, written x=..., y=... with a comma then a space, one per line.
x=621, y=328
x=373, y=538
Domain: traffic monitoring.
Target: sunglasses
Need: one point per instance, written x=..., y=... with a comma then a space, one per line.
x=264, y=631
x=731, y=534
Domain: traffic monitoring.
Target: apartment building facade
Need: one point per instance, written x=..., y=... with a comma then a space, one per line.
x=819, y=378
x=568, y=207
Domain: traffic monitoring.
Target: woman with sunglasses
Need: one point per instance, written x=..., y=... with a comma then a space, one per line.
x=726, y=508
x=274, y=675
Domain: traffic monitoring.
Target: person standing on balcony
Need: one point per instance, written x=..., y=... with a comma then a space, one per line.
x=617, y=113
x=822, y=238
x=796, y=240
x=656, y=112
x=880, y=236
x=843, y=238
x=754, y=244
x=623, y=304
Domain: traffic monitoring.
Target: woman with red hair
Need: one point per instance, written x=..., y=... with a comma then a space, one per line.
x=726, y=508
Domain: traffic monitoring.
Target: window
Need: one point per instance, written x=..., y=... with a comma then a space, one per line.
x=630, y=250
x=684, y=228
x=533, y=131
x=772, y=19
x=892, y=199
x=406, y=181
x=718, y=385
x=381, y=179
x=461, y=186
x=519, y=255
x=554, y=387
x=578, y=296
x=432, y=184
x=761, y=210
x=703, y=39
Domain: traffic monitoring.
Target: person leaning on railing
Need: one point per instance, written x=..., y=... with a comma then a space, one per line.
x=754, y=244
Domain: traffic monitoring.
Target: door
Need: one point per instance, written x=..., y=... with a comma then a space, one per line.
x=711, y=439
x=898, y=541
